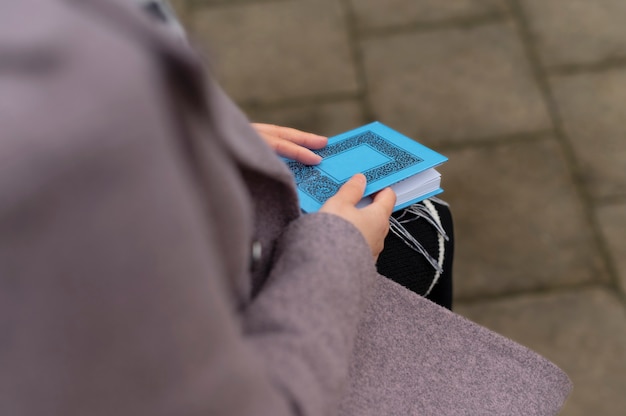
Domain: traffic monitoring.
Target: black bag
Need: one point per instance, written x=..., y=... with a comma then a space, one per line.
x=419, y=250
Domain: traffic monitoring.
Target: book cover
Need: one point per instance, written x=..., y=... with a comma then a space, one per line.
x=386, y=158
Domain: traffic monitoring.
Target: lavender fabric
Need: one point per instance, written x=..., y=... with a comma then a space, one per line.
x=131, y=192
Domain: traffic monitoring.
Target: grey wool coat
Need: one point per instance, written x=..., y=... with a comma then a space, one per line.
x=131, y=193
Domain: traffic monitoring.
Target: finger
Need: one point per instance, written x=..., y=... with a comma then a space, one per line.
x=291, y=150
x=294, y=151
x=308, y=140
x=351, y=192
x=385, y=200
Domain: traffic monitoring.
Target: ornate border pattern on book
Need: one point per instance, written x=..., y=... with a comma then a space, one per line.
x=320, y=187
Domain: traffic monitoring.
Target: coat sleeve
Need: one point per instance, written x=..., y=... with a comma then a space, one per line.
x=304, y=321
x=114, y=296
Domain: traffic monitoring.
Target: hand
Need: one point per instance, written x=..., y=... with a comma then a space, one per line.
x=291, y=143
x=373, y=220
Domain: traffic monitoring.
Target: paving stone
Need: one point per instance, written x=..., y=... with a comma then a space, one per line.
x=577, y=31
x=454, y=85
x=612, y=220
x=230, y=2
x=181, y=9
x=180, y=6
x=518, y=222
x=264, y=52
x=593, y=112
x=326, y=119
x=583, y=332
x=376, y=13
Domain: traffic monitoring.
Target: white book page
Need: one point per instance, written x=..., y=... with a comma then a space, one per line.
x=416, y=185
x=411, y=187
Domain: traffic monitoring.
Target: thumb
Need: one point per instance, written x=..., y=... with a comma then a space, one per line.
x=352, y=191
x=386, y=200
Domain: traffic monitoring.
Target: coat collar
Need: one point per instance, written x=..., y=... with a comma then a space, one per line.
x=232, y=129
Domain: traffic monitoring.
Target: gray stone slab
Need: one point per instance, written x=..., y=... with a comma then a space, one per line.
x=266, y=52
x=577, y=31
x=454, y=85
x=593, y=112
x=326, y=119
x=229, y=2
x=376, y=13
x=182, y=11
x=519, y=224
x=583, y=332
x=612, y=220
x=180, y=6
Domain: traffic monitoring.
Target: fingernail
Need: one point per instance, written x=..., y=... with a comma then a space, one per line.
x=360, y=178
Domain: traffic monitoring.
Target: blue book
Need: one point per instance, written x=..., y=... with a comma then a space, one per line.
x=386, y=158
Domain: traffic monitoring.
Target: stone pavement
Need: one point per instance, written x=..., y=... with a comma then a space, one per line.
x=528, y=100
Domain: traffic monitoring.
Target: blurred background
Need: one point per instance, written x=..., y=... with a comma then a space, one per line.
x=527, y=98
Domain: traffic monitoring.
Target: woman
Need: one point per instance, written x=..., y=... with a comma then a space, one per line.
x=153, y=259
